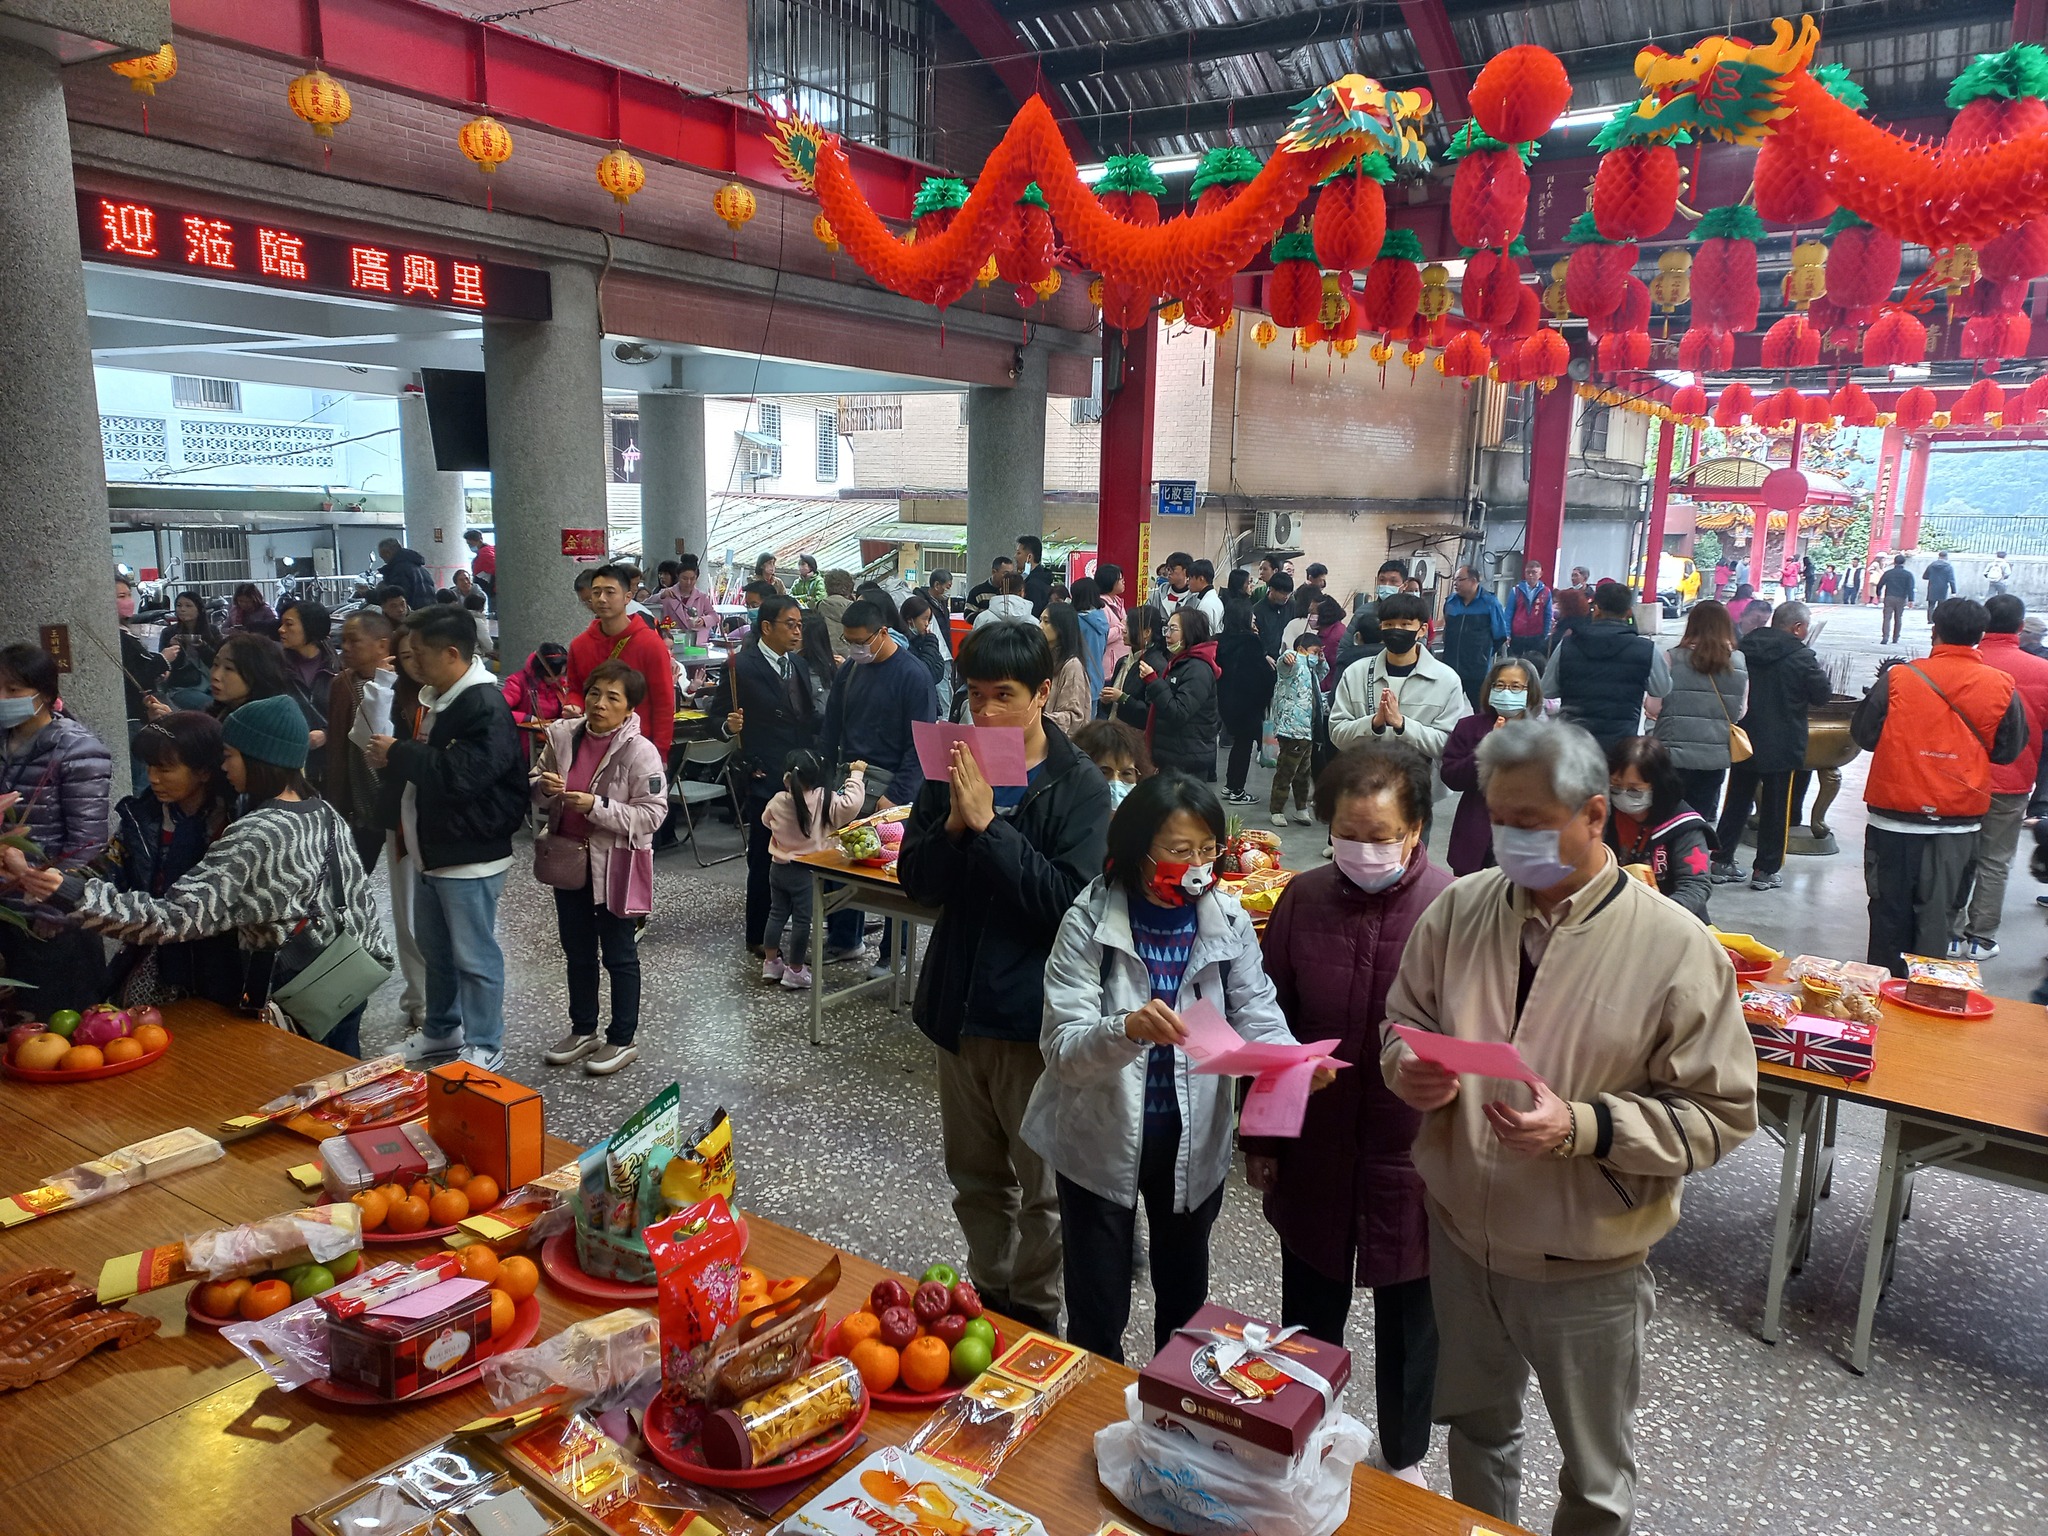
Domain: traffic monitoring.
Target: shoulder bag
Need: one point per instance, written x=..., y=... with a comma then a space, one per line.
x=560, y=861
x=1739, y=748
x=325, y=982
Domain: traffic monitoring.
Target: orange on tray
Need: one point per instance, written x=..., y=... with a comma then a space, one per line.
x=482, y=1191
x=456, y=1175
x=447, y=1206
x=878, y=1364
x=480, y=1263
x=407, y=1215
x=856, y=1326
x=926, y=1364
x=263, y=1298
x=502, y=1308
x=517, y=1277
x=375, y=1206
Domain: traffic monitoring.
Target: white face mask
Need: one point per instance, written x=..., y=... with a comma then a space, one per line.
x=1630, y=802
x=1530, y=857
x=1117, y=790
x=1369, y=866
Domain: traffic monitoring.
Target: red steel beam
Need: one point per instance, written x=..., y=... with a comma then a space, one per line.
x=1436, y=46
x=989, y=35
x=2030, y=21
x=417, y=50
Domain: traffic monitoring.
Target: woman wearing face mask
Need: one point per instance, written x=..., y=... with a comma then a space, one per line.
x=1344, y=1197
x=1123, y=695
x=1121, y=754
x=54, y=779
x=1512, y=691
x=1118, y=1114
x=1649, y=823
x=1185, y=724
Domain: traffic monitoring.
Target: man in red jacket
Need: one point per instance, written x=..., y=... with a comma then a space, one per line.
x=619, y=635
x=1974, y=929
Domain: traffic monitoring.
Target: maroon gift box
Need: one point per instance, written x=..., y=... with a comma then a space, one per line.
x=409, y=1344
x=1183, y=1379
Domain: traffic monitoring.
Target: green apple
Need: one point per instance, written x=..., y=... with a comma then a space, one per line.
x=944, y=1274
x=981, y=1328
x=313, y=1279
x=63, y=1021
x=971, y=1356
x=345, y=1266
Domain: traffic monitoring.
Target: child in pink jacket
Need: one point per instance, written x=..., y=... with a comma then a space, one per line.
x=801, y=819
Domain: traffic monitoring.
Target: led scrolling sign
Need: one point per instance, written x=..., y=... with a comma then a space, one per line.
x=136, y=233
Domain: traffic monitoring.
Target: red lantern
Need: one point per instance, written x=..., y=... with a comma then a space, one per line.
x=1788, y=191
x=1544, y=355
x=1690, y=400
x=1519, y=93
x=1393, y=284
x=1596, y=269
x=1817, y=410
x=1527, y=317
x=1489, y=193
x=2024, y=408
x=1624, y=351
x=1780, y=409
x=1790, y=343
x=1998, y=98
x=1705, y=350
x=1863, y=266
x=1024, y=250
x=1294, y=293
x=1783, y=490
x=1351, y=217
x=1488, y=291
x=1896, y=340
x=1635, y=190
x=1631, y=314
x=1915, y=408
x=1981, y=399
x=2020, y=254
x=1725, y=295
x=1735, y=403
x=1466, y=356
x=1853, y=404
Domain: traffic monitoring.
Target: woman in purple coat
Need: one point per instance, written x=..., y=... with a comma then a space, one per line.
x=1343, y=1196
x=1512, y=691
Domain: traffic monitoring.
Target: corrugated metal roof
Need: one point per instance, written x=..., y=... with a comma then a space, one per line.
x=787, y=526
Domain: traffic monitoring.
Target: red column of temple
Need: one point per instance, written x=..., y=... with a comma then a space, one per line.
x=1916, y=491
x=1792, y=516
x=1125, y=474
x=1550, y=448
x=1660, y=497
x=1884, y=499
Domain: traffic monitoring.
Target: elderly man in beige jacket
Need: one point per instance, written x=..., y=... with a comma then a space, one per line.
x=1545, y=1199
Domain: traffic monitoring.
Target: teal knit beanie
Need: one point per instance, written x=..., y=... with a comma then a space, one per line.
x=268, y=730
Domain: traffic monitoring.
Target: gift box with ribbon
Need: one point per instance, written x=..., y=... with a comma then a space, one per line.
x=1842, y=1048
x=1270, y=1387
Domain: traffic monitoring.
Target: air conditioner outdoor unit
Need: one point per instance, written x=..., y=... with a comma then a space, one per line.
x=1279, y=530
x=1423, y=569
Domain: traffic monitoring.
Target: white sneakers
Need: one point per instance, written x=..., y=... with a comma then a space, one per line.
x=797, y=978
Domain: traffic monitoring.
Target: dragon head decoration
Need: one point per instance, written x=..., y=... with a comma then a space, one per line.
x=1720, y=88
x=1357, y=108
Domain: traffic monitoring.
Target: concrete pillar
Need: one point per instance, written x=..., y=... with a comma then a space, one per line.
x=59, y=553
x=674, y=506
x=546, y=409
x=1130, y=374
x=1005, y=464
x=433, y=496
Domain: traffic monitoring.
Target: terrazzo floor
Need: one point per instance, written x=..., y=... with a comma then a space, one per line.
x=1947, y=1435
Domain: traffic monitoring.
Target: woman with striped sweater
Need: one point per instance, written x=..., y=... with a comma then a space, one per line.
x=280, y=861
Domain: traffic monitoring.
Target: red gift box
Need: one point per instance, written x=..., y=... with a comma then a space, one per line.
x=1186, y=1378
x=1843, y=1048
x=408, y=1344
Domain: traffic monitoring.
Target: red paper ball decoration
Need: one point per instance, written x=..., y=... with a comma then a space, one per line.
x=1783, y=490
x=1544, y=355
x=1520, y=93
x=1788, y=189
x=1393, y=283
x=1896, y=340
x=1690, y=401
x=2020, y=253
x=1780, y=409
x=1790, y=343
x=1735, y=403
x=2024, y=408
x=1635, y=191
x=1703, y=349
x=1983, y=398
x=1855, y=407
x=1632, y=313
x=1725, y=295
x=1863, y=267
x=1488, y=291
x=1624, y=351
x=1915, y=408
x=1528, y=314
x=1294, y=292
x=1596, y=270
x=1466, y=356
x=1024, y=250
x=1489, y=197
x=1818, y=411
x=1350, y=221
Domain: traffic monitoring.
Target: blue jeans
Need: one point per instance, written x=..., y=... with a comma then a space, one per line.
x=347, y=1036
x=456, y=925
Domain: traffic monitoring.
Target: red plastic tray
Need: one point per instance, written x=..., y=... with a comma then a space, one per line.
x=911, y=1402
x=525, y=1324
x=1978, y=1007
x=1748, y=970
x=87, y=1074
x=558, y=1263
x=680, y=1457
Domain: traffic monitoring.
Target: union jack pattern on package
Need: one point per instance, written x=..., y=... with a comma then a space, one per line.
x=1840, y=1047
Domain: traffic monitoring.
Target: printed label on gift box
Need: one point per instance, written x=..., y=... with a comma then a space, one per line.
x=445, y=1351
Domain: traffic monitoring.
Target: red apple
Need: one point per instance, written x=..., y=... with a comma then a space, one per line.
x=19, y=1033
x=931, y=1302
x=951, y=1328
x=146, y=1014
x=966, y=1300
x=899, y=1326
x=887, y=1294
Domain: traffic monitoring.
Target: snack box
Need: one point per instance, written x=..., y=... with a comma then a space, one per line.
x=1187, y=1377
x=1941, y=983
x=357, y=1160
x=404, y=1346
x=1844, y=1048
x=894, y=1491
x=486, y=1121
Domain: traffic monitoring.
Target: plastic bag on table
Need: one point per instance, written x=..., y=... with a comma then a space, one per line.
x=323, y=1231
x=290, y=1346
x=610, y=1358
x=1176, y=1484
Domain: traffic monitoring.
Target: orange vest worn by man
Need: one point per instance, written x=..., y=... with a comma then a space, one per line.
x=1938, y=721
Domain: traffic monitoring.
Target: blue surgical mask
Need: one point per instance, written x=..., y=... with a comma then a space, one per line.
x=1384, y=592
x=1508, y=701
x=14, y=712
x=1118, y=789
x=1530, y=856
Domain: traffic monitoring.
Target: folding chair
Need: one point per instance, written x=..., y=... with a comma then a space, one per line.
x=687, y=793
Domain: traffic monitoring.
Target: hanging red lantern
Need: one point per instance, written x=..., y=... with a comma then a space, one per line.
x=1689, y=401
x=1896, y=340
x=1995, y=337
x=1863, y=266
x=1983, y=398
x=1543, y=356
x=1790, y=343
x=1527, y=317
x=1351, y=214
x=1817, y=410
x=1520, y=93
x=2019, y=254
x=1734, y=404
x=1595, y=270
x=1488, y=291
x=1635, y=188
x=2025, y=408
x=1024, y=248
x=1295, y=290
x=1779, y=409
x=1999, y=97
x=1704, y=350
x=1914, y=409
x=1725, y=295
x=1130, y=191
x=1631, y=314
x=1853, y=404
x=1783, y=490
x=1490, y=192
x=1624, y=352
x=1466, y=356
x=1393, y=284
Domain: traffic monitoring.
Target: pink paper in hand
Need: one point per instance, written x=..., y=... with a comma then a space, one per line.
x=997, y=749
x=1468, y=1058
x=1209, y=1034
x=1278, y=1101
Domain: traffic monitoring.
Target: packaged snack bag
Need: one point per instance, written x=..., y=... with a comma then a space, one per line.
x=703, y=1168
x=696, y=1255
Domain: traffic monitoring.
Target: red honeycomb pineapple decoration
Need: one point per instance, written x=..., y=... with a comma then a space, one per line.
x=1595, y=270
x=1622, y=336
x=1853, y=405
x=1351, y=214
x=1862, y=267
x=1129, y=190
x=1024, y=249
x=1998, y=98
x=1488, y=291
x=1635, y=188
x=1222, y=174
x=1294, y=293
x=1490, y=192
x=1393, y=284
x=1725, y=296
x=1735, y=402
x=1915, y=408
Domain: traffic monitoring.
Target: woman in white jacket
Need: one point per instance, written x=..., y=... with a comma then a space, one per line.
x=1118, y=1113
x=603, y=787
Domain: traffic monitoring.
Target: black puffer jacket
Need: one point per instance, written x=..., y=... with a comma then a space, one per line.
x=1601, y=671
x=1185, y=724
x=1001, y=895
x=1678, y=850
x=1785, y=680
x=407, y=571
x=1246, y=684
x=1134, y=708
x=469, y=776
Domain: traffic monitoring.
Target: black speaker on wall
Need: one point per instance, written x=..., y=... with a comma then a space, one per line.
x=457, y=419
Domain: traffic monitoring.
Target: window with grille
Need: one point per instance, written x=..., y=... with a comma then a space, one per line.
x=1514, y=419
x=828, y=447
x=770, y=420
x=190, y=394
x=871, y=413
x=856, y=67
x=1593, y=433
x=1090, y=409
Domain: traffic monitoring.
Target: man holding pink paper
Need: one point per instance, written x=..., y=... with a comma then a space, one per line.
x=1545, y=1197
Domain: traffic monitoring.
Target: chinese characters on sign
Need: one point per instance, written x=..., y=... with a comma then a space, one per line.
x=139, y=233
x=584, y=544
